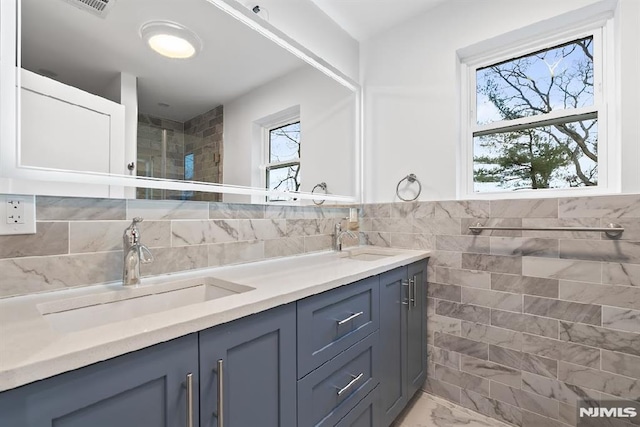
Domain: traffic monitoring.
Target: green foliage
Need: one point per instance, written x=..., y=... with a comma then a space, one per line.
x=521, y=159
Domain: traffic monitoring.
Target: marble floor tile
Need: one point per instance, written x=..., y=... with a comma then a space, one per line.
x=429, y=411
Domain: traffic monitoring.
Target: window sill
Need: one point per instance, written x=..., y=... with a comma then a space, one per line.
x=540, y=194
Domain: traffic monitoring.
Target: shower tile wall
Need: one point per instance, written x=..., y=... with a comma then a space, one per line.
x=79, y=240
x=200, y=136
x=522, y=325
x=203, y=138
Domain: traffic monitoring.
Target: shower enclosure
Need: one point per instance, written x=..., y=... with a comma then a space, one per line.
x=190, y=150
x=160, y=154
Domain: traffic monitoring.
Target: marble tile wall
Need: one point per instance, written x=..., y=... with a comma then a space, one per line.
x=524, y=325
x=79, y=240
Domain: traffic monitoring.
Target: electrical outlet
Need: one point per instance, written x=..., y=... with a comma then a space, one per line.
x=19, y=213
x=15, y=211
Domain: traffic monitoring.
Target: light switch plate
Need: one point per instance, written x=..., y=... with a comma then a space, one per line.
x=17, y=214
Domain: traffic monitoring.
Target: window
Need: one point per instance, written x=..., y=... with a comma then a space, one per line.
x=189, y=174
x=536, y=117
x=189, y=167
x=283, y=158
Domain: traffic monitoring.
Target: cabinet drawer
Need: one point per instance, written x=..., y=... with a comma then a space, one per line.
x=327, y=394
x=331, y=322
x=364, y=414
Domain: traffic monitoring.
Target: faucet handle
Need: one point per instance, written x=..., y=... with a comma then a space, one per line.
x=145, y=255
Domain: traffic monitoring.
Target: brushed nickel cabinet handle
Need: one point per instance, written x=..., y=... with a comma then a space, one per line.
x=412, y=297
x=220, y=393
x=414, y=282
x=189, y=384
x=353, y=316
x=351, y=383
x=408, y=300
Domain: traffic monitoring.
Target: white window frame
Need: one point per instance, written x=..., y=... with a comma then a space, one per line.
x=266, y=152
x=598, y=24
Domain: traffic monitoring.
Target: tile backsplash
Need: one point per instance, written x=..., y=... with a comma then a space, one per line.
x=79, y=241
x=523, y=325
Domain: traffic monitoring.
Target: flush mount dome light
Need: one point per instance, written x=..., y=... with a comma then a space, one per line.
x=170, y=39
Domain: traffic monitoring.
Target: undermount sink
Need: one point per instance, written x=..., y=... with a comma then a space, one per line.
x=89, y=311
x=368, y=254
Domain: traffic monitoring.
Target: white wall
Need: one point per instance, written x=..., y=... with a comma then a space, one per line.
x=327, y=117
x=411, y=92
x=303, y=21
x=629, y=18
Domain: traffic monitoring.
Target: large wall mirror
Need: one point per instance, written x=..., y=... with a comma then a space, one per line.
x=182, y=96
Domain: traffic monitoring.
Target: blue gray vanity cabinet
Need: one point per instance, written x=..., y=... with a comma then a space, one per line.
x=351, y=356
x=403, y=356
x=146, y=388
x=257, y=358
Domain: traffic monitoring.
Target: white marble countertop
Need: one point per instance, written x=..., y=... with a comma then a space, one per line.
x=31, y=349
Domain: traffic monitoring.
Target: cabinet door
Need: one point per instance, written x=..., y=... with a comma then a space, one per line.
x=416, y=327
x=364, y=414
x=146, y=388
x=248, y=369
x=393, y=343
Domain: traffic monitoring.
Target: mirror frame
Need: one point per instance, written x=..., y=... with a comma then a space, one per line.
x=10, y=162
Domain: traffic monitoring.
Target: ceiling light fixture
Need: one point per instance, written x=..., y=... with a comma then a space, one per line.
x=170, y=39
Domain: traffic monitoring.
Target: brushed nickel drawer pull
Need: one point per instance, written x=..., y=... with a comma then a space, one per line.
x=351, y=383
x=348, y=319
x=189, y=385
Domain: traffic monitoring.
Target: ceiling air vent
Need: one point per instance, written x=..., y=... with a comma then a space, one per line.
x=97, y=7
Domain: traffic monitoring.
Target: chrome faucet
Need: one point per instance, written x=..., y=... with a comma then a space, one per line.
x=135, y=253
x=338, y=234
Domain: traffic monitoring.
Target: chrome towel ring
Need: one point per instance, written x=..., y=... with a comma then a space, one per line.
x=411, y=178
x=322, y=186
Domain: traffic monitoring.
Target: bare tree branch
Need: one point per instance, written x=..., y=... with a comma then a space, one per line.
x=522, y=88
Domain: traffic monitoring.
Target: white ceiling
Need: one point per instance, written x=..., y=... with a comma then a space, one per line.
x=365, y=18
